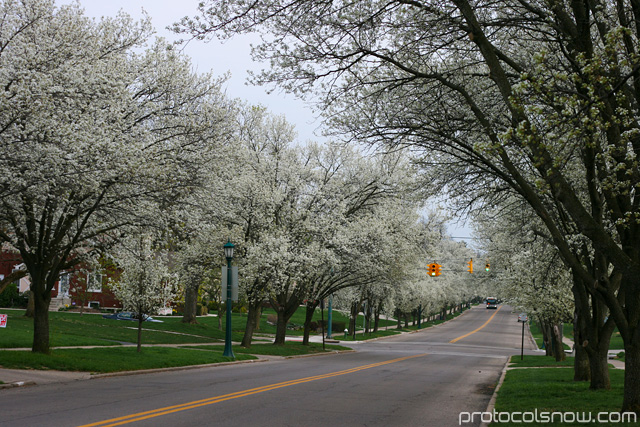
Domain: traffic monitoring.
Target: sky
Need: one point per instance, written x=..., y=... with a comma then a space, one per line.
x=232, y=56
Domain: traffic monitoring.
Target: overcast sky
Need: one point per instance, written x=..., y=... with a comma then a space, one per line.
x=233, y=56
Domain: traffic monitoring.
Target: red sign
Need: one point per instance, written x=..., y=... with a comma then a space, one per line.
x=3, y=320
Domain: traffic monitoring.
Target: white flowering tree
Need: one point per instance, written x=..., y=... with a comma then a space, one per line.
x=144, y=283
x=539, y=97
x=97, y=131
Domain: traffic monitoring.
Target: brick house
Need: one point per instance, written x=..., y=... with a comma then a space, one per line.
x=75, y=288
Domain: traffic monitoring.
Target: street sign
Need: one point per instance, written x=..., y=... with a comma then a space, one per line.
x=3, y=320
x=522, y=317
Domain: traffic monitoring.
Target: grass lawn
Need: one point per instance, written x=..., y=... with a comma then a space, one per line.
x=73, y=329
x=113, y=359
x=538, y=361
x=552, y=389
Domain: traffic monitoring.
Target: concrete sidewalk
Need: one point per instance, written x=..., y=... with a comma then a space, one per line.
x=618, y=364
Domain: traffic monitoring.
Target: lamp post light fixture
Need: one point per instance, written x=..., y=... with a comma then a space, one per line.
x=228, y=253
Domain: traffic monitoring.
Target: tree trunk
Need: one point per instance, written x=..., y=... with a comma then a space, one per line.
x=581, y=370
x=31, y=308
x=581, y=365
x=308, y=318
x=631, y=399
x=253, y=320
x=221, y=312
x=599, y=367
x=558, y=347
x=190, y=304
x=398, y=316
x=547, y=342
x=281, y=328
x=41, y=302
x=140, y=320
x=353, y=318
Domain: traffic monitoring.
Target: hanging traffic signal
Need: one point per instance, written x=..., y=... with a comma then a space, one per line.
x=434, y=269
x=431, y=268
x=487, y=267
x=470, y=266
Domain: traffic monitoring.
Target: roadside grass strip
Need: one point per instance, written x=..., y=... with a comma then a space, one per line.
x=536, y=387
x=113, y=359
x=476, y=330
x=210, y=401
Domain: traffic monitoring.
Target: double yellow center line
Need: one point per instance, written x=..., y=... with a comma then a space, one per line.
x=476, y=330
x=210, y=401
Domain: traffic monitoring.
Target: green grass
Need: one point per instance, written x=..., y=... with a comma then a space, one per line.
x=553, y=390
x=114, y=359
x=360, y=336
x=289, y=349
x=73, y=329
x=538, y=361
x=68, y=329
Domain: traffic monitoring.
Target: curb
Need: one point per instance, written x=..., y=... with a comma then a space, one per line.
x=492, y=401
x=173, y=368
x=331, y=353
x=176, y=368
x=17, y=384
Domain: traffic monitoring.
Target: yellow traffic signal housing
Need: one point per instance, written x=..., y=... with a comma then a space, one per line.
x=487, y=267
x=431, y=268
x=434, y=269
x=470, y=266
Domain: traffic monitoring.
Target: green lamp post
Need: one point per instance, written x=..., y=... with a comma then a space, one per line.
x=228, y=253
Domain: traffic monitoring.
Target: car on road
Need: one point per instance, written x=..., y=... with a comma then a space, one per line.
x=129, y=315
x=492, y=302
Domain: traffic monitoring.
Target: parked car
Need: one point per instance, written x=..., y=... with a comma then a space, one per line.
x=492, y=302
x=129, y=315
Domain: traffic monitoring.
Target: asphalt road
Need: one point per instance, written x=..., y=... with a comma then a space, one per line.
x=418, y=379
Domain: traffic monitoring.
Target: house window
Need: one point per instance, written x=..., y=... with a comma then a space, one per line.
x=94, y=282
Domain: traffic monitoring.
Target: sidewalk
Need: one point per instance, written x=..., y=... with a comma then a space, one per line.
x=618, y=364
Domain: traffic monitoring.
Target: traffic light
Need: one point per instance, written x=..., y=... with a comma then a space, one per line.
x=434, y=269
x=431, y=268
x=487, y=267
x=470, y=266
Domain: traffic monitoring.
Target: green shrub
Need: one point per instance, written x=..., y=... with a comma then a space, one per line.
x=11, y=298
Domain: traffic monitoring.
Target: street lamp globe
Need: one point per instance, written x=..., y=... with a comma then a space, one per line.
x=228, y=249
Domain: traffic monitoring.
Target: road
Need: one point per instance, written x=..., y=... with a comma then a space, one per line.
x=418, y=379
